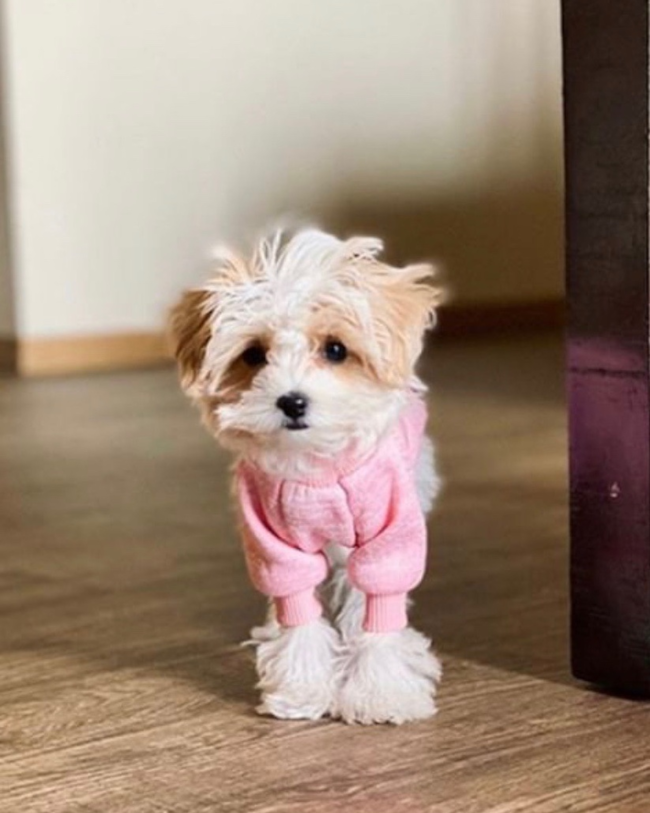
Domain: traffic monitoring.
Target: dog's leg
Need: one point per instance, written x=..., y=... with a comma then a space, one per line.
x=267, y=631
x=389, y=677
x=381, y=677
x=346, y=603
x=386, y=677
x=296, y=669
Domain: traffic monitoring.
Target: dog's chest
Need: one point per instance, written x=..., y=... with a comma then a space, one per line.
x=311, y=516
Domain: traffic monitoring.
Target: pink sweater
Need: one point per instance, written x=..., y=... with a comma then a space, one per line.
x=370, y=507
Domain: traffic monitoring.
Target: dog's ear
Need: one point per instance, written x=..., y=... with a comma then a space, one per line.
x=410, y=301
x=417, y=297
x=403, y=306
x=194, y=319
x=189, y=333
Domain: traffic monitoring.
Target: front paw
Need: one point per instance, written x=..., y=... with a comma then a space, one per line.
x=296, y=671
x=387, y=677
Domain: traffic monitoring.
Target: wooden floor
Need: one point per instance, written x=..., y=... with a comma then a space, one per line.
x=123, y=597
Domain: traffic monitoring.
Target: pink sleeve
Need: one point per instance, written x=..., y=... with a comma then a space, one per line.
x=276, y=567
x=391, y=555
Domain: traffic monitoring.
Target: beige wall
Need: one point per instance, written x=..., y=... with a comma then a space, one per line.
x=7, y=298
x=7, y=321
x=142, y=130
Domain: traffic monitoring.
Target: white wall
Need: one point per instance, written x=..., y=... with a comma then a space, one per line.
x=7, y=298
x=141, y=130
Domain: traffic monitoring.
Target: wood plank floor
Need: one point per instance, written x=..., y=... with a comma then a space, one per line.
x=123, y=597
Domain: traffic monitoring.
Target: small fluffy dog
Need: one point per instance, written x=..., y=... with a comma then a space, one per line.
x=302, y=359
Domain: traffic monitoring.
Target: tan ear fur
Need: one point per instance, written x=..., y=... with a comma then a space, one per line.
x=189, y=324
x=189, y=332
x=404, y=306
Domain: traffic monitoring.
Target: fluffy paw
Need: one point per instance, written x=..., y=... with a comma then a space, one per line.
x=387, y=677
x=296, y=671
x=269, y=631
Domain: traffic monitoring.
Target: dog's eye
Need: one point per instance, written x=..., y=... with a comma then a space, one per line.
x=335, y=351
x=254, y=356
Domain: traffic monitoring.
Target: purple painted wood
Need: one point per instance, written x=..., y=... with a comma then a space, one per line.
x=606, y=148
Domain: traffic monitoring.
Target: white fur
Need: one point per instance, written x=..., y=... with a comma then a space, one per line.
x=276, y=293
x=296, y=668
x=346, y=603
x=387, y=677
x=268, y=631
x=427, y=480
x=287, y=280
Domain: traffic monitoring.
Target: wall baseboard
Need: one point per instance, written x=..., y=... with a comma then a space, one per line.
x=79, y=354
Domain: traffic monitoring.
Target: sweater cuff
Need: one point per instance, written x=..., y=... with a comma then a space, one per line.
x=298, y=609
x=385, y=613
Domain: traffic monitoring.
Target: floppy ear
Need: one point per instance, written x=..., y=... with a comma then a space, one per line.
x=417, y=299
x=404, y=304
x=189, y=333
x=192, y=320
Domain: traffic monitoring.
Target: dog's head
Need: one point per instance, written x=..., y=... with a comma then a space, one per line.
x=308, y=346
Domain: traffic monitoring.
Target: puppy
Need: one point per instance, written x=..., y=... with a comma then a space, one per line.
x=301, y=359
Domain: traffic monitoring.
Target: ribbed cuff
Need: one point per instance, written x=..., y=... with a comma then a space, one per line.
x=298, y=609
x=385, y=613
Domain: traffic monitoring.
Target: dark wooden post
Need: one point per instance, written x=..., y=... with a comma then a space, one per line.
x=606, y=117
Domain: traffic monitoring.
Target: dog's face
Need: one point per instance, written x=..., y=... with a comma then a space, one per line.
x=308, y=346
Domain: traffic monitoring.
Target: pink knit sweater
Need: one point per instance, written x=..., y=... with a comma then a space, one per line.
x=371, y=507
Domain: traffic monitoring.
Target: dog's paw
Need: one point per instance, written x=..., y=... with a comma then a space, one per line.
x=296, y=671
x=387, y=677
x=268, y=631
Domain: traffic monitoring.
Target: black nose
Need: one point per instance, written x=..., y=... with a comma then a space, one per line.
x=293, y=404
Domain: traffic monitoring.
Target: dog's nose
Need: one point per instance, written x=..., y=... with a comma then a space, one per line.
x=293, y=404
